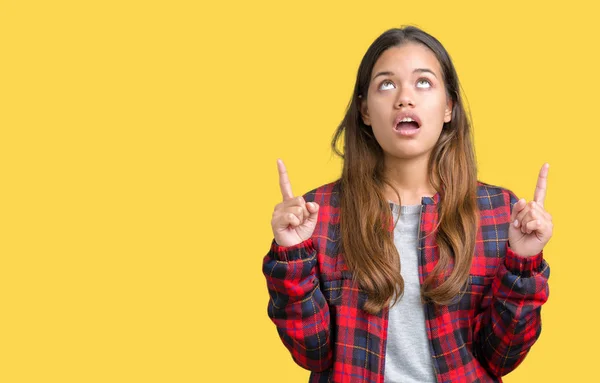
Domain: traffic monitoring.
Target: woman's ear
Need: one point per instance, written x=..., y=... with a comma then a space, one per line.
x=364, y=111
x=448, y=111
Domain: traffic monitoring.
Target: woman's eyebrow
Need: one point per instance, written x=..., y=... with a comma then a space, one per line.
x=418, y=70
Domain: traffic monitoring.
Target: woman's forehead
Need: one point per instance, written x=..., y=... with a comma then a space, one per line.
x=406, y=58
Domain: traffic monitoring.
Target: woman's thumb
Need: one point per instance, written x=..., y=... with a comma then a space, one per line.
x=313, y=209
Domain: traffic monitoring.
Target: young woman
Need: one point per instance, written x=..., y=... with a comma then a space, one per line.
x=407, y=268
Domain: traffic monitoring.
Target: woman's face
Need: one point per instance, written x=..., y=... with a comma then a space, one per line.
x=406, y=80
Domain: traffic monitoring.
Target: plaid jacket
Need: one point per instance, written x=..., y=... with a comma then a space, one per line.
x=317, y=308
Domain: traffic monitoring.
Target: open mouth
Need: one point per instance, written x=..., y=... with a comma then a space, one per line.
x=411, y=125
x=407, y=124
x=409, y=128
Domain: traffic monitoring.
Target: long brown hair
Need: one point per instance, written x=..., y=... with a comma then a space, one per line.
x=367, y=243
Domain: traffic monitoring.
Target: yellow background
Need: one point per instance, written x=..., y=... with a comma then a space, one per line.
x=138, y=175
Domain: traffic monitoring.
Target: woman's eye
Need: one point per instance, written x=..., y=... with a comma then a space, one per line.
x=426, y=83
x=383, y=84
x=422, y=83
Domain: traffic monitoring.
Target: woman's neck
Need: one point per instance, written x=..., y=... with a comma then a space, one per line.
x=410, y=178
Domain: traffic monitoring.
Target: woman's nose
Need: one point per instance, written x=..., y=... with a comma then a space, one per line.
x=405, y=98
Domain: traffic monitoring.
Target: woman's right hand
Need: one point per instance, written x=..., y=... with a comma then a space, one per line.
x=294, y=220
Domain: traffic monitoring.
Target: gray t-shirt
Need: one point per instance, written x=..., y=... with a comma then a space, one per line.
x=407, y=355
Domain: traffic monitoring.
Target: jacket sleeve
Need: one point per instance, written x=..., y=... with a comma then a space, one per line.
x=297, y=305
x=511, y=324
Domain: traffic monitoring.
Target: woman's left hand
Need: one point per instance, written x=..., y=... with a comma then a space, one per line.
x=530, y=225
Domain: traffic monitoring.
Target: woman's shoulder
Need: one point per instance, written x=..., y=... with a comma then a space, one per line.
x=325, y=195
x=490, y=197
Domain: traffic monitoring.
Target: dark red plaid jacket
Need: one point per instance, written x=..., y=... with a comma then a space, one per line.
x=317, y=308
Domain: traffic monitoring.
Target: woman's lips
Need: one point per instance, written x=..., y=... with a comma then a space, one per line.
x=407, y=129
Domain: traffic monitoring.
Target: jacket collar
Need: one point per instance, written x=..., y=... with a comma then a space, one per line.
x=431, y=200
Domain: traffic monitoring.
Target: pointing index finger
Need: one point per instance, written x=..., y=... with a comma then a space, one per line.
x=284, y=181
x=540, y=189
